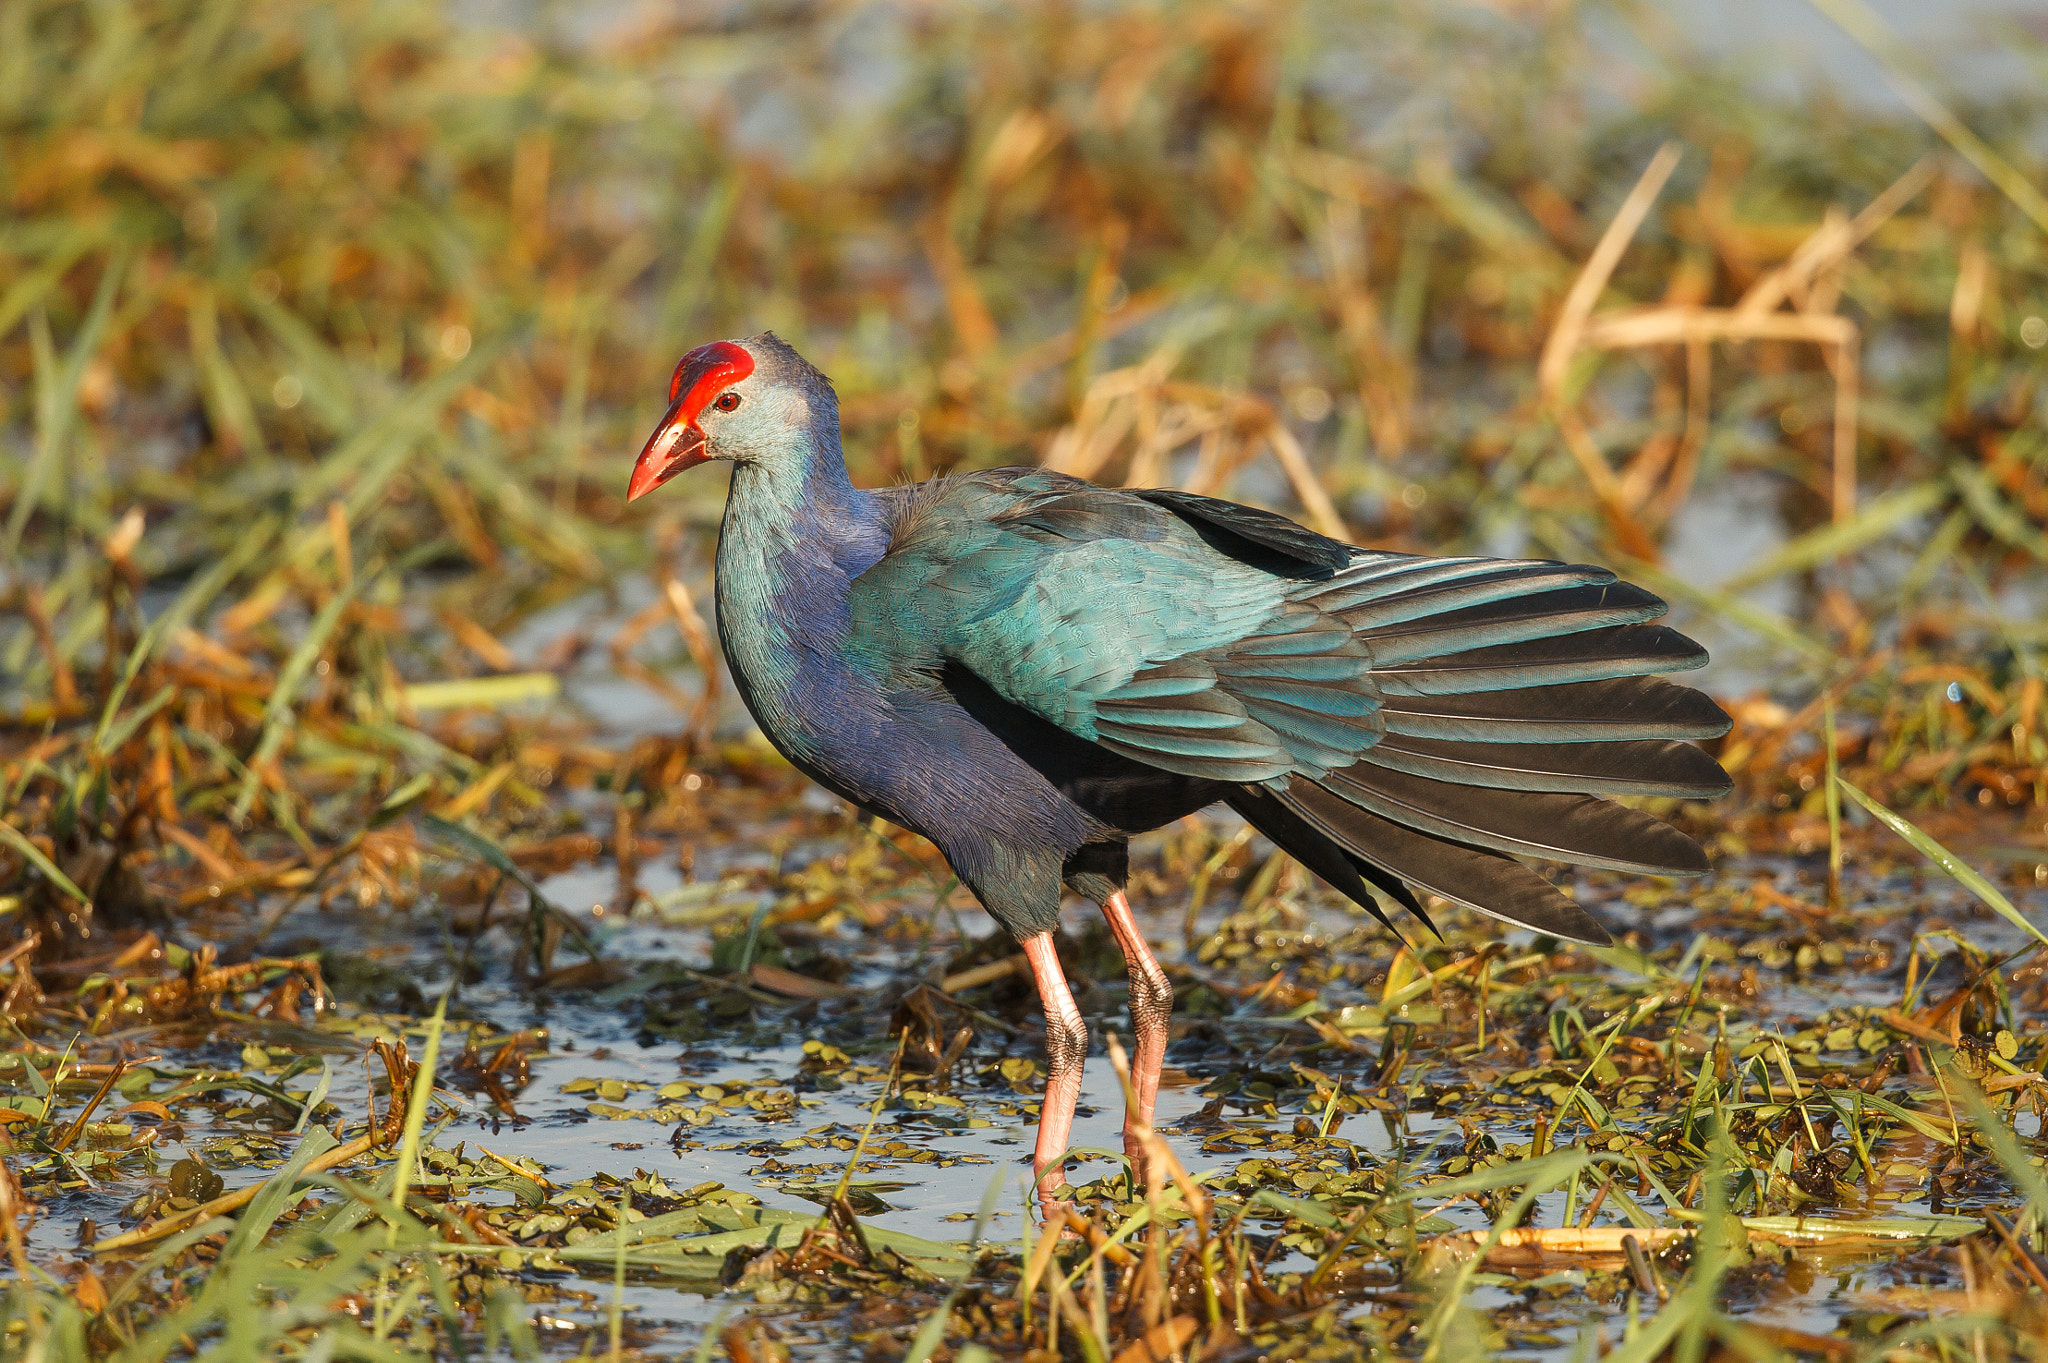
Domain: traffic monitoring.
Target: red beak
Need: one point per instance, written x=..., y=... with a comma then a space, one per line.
x=676, y=445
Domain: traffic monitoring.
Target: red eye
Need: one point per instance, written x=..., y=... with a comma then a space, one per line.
x=727, y=402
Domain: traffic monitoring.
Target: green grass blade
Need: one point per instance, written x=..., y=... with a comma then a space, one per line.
x=398, y=428
x=1547, y=1170
x=1834, y=804
x=1449, y=1328
x=1864, y=24
x=483, y=693
x=1962, y=874
x=2026, y=1176
x=1872, y=522
x=12, y=836
x=1996, y=515
x=195, y=597
x=111, y=740
x=416, y=1111
x=57, y=401
x=269, y=1204
x=316, y=1097
x=926, y=1341
x=481, y=847
x=32, y=287
x=618, y=1311
x=278, y=715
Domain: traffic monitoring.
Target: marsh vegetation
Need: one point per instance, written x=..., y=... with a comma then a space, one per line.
x=407, y=948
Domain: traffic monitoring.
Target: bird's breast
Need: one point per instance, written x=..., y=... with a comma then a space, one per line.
x=869, y=728
x=782, y=622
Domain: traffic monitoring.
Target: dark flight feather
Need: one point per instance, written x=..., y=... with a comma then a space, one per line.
x=1484, y=880
x=1568, y=712
x=1313, y=848
x=1513, y=620
x=1385, y=602
x=1556, y=827
x=1627, y=651
x=1253, y=527
x=1625, y=767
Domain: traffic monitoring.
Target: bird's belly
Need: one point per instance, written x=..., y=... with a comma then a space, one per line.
x=826, y=768
x=839, y=757
x=956, y=763
x=847, y=736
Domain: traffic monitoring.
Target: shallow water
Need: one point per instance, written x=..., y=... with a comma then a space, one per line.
x=928, y=1167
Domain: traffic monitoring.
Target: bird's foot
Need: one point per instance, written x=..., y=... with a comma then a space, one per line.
x=1141, y=1165
x=1055, y=1218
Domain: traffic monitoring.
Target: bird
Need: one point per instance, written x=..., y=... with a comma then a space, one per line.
x=1029, y=669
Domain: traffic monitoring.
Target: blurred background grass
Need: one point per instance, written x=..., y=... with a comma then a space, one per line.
x=328, y=331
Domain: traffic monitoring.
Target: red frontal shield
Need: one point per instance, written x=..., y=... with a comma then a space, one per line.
x=678, y=443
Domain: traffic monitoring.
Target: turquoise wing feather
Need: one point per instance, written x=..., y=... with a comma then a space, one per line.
x=1116, y=619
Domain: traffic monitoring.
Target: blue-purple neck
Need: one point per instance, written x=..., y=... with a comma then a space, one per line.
x=805, y=514
x=796, y=534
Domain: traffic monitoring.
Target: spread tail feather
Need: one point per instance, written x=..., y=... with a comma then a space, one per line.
x=1565, y=712
x=1635, y=650
x=1488, y=881
x=1297, y=837
x=1513, y=697
x=1618, y=767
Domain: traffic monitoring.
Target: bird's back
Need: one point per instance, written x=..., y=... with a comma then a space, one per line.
x=1053, y=589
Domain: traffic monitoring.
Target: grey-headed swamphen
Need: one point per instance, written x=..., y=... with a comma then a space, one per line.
x=1028, y=669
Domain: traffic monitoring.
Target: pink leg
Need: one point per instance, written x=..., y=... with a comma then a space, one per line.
x=1066, y=1047
x=1151, y=1006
